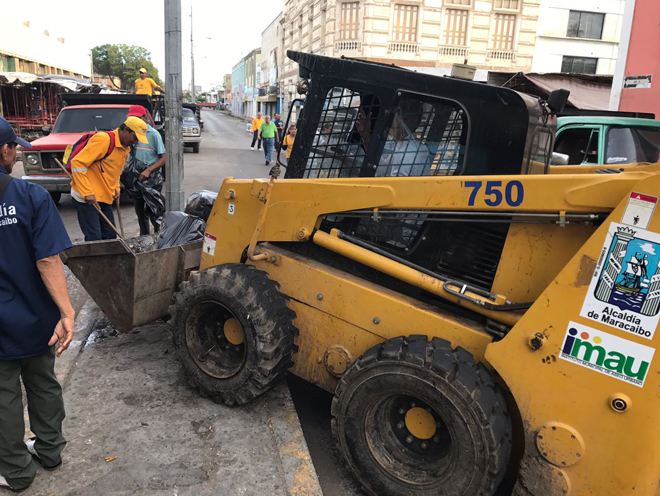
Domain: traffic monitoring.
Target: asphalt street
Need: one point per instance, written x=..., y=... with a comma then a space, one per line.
x=225, y=152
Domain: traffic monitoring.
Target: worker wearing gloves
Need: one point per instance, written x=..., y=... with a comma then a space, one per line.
x=148, y=160
x=96, y=176
x=35, y=313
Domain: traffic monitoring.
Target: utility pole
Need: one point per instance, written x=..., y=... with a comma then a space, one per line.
x=173, y=106
x=192, y=58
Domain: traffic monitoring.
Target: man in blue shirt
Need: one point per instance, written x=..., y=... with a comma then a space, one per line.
x=151, y=156
x=35, y=313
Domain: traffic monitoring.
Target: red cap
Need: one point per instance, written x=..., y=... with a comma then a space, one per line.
x=137, y=111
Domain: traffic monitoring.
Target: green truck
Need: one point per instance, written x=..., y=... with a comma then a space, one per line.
x=606, y=140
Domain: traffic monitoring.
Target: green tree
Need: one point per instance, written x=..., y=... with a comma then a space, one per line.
x=124, y=62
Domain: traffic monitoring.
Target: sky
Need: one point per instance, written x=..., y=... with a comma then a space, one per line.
x=224, y=30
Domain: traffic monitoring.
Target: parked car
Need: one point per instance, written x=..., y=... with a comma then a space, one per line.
x=82, y=114
x=192, y=132
x=610, y=140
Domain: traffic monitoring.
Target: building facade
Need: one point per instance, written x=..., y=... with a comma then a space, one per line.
x=238, y=88
x=636, y=86
x=226, y=83
x=578, y=37
x=268, y=101
x=489, y=34
x=25, y=47
x=251, y=92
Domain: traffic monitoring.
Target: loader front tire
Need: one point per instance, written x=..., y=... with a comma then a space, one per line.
x=416, y=417
x=233, y=332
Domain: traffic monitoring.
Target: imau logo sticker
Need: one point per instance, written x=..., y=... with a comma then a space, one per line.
x=607, y=354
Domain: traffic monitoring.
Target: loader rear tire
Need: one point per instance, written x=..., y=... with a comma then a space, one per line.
x=416, y=417
x=233, y=332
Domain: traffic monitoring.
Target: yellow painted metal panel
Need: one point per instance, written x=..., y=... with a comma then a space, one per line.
x=618, y=452
x=356, y=314
x=533, y=255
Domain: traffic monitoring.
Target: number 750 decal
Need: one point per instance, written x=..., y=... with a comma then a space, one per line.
x=513, y=192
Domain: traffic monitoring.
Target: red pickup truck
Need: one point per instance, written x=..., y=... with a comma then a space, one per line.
x=81, y=114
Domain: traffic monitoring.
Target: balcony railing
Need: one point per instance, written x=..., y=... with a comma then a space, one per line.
x=348, y=45
x=501, y=55
x=454, y=52
x=403, y=47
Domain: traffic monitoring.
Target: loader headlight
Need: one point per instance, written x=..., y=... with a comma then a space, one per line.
x=32, y=159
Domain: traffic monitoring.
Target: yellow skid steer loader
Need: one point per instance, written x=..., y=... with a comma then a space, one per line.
x=474, y=315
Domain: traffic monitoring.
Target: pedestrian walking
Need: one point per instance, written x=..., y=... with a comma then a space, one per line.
x=256, y=124
x=277, y=119
x=96, y=170
x=287, y=142
x=267, y=132
x=35, y=314
x=145, y=85
x=148, y=159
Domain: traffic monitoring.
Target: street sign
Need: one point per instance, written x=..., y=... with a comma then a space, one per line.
x=637, y=81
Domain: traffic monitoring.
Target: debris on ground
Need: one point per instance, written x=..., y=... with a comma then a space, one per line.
x=103, y=329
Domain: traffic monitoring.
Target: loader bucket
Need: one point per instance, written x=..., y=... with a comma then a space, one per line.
x=131, y=288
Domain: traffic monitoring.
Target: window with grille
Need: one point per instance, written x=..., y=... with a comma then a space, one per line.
x=504, y=29
x=343, y=134
x=585, y=25
x=404, y=27
x=349, y=20
x=456, y=27
x=466, y=3
x=506, y=4
x=427, y=137
x=579, y=65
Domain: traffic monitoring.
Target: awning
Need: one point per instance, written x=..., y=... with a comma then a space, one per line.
x=588, y=91
x=70, y=83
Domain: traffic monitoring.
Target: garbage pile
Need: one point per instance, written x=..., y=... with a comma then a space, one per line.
x=177, y=228
x=200, y=203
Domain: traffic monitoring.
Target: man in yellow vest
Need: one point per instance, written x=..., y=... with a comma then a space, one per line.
x=145, y=85
x=96, y=176
x=256, y=124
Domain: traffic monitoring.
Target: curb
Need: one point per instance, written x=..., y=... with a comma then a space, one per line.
x=296, y=462
x=85, y=320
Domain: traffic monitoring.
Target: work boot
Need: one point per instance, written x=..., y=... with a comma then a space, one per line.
x=29, y=444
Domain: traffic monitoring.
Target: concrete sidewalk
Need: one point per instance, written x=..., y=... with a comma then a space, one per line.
x=126, y=397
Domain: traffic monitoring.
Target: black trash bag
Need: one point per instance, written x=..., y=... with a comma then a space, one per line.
x=149, y=190
x=179, y=228
x=200, y=203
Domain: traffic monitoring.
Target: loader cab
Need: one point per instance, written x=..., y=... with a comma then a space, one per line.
x=369, y=120
x=363, y=119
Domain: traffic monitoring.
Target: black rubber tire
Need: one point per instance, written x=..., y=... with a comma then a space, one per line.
x=56, y=196
x=267, y=324
x=472, y=457
x=195, y=147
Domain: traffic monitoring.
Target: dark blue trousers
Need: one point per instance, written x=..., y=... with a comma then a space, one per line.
x=93, y=226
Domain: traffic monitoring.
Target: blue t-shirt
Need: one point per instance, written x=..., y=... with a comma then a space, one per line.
x=31, y=229
x=149, y=154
